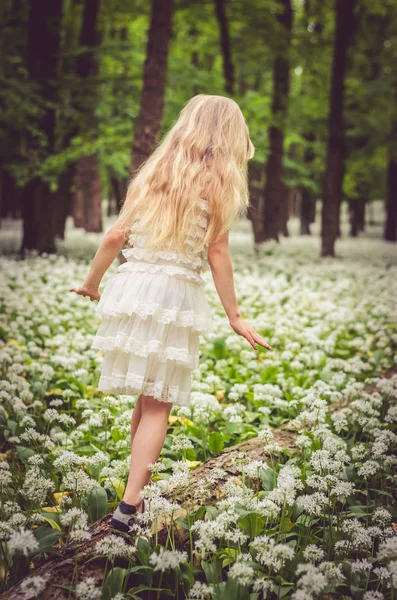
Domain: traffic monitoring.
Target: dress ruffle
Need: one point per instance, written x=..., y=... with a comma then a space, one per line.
x=168, y=300
x=153, y=311
x=124, y=373
x=143, y=337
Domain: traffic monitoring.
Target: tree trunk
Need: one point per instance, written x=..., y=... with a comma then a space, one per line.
x=286, y=208
x=254, y=211
x=390, y=230
x=274, y=195
x=333, y=179
x=63, y=197
x=88, y=194
x=353, y=217
x=88, y=182
x=117, y=189
x=195, y=55
x=357, y=216
x=39, y=228
x=11, y=204
x=39, y=205
x=154, y=79
x=228, y=68
x=306, y=210
x=360, y=214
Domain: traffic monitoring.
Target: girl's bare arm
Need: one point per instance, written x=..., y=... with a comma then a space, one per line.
x=222, y=273
x=105, y=255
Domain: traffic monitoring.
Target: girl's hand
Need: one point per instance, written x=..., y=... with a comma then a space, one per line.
x=243, y=329
x=85, y=290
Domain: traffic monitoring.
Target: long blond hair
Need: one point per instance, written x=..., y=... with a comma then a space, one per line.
x=203, y=156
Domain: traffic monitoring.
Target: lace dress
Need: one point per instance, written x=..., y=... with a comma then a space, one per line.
x=153, y=311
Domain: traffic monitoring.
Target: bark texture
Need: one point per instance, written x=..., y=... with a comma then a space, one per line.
x=336, y=149
x=275, y=196
x=38, y=202
x=390, y=232
x=89, y=193
x=87, y=180
x=154, y=79
x=228, y=68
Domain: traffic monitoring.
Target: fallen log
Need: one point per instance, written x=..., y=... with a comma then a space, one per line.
x=59, y=569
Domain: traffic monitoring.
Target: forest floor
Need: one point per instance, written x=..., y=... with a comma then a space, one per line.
x=309, y=508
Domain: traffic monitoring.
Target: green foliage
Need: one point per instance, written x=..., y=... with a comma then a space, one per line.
x=98, y=115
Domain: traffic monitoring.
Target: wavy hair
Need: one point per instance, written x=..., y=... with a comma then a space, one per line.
x=203, y=156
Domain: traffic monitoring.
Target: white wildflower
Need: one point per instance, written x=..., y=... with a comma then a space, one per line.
x=167, y=559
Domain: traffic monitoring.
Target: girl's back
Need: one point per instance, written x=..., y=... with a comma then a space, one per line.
x=184, y=197
x=177, y=213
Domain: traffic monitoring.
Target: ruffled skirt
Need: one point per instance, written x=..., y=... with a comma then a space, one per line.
x=149, y=332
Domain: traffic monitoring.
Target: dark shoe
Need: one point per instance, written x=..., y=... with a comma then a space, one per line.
x=124, y=516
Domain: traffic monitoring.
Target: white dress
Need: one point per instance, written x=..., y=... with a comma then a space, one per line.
x=153, y=311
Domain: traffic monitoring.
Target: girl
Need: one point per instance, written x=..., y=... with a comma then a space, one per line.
x=176, y=216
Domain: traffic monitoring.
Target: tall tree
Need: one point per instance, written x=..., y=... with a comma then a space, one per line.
x=333, y=178
x=390, y=230
x=88, y=196
x=154, y=80
x=228, y=68
x=275, y=193
x=38, y=205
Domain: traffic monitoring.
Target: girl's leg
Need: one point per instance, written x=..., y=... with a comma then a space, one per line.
x=135, y=418
x=146, y=446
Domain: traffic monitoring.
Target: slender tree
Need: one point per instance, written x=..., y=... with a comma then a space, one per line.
x=38, y=205
x=154, y=79
x=275, y=193
x=333, y=178
x=228, y=68
x=88, y=196
x=390, y=230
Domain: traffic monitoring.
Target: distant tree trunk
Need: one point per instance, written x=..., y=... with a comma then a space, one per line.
x=333, y=179
x=306, y=210
x=39, y=206
x=1, y=191
x=87, y=181
x=286, y=209
x=195, y=56
x=390, y=231
x=360, y=214
x=63, y=197
x=228, y=69
x=77, y=203
x=275, y=195
x=154, y=79
x=254, y=209
x=11, y=206
x=117, y=190
x=356, y=214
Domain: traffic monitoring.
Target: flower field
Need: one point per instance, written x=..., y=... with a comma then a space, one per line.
x=315, y=520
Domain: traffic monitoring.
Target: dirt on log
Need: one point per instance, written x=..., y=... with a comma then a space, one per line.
x=59, y=569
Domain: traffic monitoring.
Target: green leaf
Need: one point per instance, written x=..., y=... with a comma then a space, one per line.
x=235, y=591
x=114, y=583
x=252, y=524
x=3, y=416
x=268, y=478
x=212, y=570
x=24, y=453
x=215, y=442
x=46, y=538
x=96, y=503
